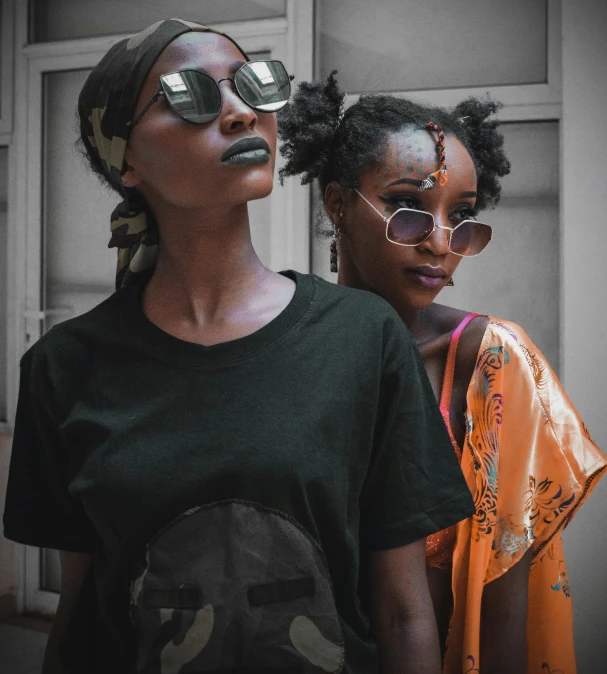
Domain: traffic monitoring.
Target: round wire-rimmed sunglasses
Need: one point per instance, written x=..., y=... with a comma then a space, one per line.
x=265, y=86
x=408, y=227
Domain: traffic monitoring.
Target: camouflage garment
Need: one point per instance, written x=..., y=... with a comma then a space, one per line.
x=235, y=587
x=106, y=106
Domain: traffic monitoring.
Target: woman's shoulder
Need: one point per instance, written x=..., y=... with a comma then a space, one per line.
x=469, y=328
x=508, y=358
x=508, y=331
x=513, y=340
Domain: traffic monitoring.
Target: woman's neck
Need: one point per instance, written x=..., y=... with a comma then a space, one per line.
x=419, y=321
x=206, y=261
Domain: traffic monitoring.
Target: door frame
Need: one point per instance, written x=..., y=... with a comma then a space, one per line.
x=289, y=39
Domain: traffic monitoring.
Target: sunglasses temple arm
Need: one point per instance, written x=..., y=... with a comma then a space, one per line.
x=381, y=215
x=147, y=107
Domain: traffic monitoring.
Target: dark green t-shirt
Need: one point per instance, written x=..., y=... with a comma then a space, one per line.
x=230, y=494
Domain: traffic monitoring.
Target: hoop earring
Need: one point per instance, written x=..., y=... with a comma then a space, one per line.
x=450, y=282
x=333, y=248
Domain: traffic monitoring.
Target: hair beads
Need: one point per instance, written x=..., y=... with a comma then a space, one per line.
x=441, y=174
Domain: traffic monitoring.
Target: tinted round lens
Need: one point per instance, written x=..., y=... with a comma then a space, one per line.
x=264, y=85
x=470, y=238
x=409, y=227
x=193, y=96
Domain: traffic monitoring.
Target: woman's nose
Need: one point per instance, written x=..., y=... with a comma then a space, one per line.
x=438, y=242
x=235, y=113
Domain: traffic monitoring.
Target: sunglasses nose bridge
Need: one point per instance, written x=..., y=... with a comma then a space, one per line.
x=439, y=238
x=449, y=231
x=235, y=108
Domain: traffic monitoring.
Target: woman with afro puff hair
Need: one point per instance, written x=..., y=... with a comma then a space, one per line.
x=402, y=185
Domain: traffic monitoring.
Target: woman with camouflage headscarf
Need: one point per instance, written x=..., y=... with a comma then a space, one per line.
x=238, y=466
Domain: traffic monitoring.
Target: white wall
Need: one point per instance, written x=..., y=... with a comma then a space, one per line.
x=584, y=301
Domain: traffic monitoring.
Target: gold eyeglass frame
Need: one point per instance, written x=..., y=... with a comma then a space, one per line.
x=434, y=228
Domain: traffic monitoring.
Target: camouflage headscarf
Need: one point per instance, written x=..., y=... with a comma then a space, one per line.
x=106, y=106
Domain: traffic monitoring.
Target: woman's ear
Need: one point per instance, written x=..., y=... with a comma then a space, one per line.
x=335, y=204
x=130, y=176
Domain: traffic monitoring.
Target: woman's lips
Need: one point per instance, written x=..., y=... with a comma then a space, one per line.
x=249, y=157
x=428, y=277
x=252, y=150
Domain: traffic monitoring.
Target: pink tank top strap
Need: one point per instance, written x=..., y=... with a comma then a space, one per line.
x=447, y=388
x=439, y=546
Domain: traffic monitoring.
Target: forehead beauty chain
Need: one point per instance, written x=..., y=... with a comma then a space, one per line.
x=441, y=174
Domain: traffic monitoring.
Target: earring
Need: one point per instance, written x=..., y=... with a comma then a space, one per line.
x=333, y=248
x=333, y=255
x=125, y=174
x=450, y=282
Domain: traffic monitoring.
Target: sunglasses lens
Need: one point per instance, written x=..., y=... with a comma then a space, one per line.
x=409, y=227
x=264, y=85
x=470, y=238
x=192, y=95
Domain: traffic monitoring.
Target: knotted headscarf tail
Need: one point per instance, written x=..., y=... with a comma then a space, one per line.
x=106, y=106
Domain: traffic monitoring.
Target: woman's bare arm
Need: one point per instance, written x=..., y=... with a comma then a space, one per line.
x=74, y=566
x=403, y=616
x=504, y=621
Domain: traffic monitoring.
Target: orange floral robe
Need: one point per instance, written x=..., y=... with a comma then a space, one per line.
x=530, y=463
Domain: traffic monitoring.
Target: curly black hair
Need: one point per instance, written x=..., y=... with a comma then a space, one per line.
x=317, y=145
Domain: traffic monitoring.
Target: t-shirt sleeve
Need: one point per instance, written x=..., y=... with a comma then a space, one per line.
x=39, y=508
x=414, y=485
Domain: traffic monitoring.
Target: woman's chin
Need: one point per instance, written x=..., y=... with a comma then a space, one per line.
x=258, y=188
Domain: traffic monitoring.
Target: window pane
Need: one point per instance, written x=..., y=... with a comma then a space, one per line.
x=68, y=19
x=398, y=45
